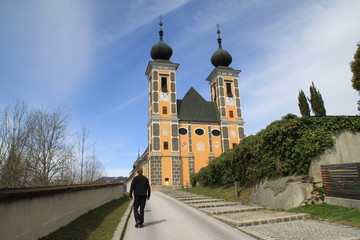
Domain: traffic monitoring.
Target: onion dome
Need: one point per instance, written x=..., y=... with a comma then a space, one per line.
x=221, y=57
x=161, y=50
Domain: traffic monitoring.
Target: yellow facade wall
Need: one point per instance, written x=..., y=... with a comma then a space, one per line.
x=233, y=135
x=166, y=171
x=200, y=146
x=216, y=142
x=166, y=160
x=184, y=153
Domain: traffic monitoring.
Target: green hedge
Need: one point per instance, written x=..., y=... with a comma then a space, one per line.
x=284, y=148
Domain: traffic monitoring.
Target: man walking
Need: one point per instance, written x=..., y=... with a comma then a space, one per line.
x=141, y=188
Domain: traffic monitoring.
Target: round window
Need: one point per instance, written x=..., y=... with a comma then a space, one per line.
x=199, y=131
x=215, y=132
x=182, y=131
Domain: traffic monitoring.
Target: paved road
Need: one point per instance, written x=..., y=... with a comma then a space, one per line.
x=167, y=218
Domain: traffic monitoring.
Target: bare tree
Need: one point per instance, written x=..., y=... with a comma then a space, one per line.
x=82, y=146
x=93, y=168
x=13, y=140
x=49, y=148
x=35, y=149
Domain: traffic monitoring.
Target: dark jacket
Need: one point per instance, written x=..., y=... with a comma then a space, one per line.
x=140, y=186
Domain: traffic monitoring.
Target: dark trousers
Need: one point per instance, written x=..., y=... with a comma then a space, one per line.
x=139, y=201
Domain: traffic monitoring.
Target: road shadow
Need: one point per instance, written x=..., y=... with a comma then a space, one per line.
x=155, y=222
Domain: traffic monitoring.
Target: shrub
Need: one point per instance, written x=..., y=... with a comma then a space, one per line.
x=284, y=148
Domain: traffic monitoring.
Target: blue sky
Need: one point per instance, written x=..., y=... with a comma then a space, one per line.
x=90, y=56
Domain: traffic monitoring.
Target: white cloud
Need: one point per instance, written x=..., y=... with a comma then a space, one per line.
x=319, y=50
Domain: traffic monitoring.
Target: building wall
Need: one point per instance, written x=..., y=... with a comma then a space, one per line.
x=196, y=151
x=188, y=153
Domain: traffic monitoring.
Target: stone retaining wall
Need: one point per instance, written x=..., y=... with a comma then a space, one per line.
x=27, y=214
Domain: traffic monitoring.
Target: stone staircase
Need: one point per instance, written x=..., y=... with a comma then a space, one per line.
x=234, y=213
x=264, y=224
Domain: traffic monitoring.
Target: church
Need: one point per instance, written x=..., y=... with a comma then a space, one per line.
x=184, y=135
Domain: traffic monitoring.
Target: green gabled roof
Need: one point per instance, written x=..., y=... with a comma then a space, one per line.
x=193, y=107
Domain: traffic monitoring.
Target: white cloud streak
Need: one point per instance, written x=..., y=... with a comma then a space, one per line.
x=122, y=105
x=135, y=14
x=297, y=54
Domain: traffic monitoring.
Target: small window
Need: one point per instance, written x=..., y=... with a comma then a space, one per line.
x=231, y=114
x=214, y=92
x=166, y=179
x=199, y=131
x=183, y=131
x=228, y=89
x=234, y=145
x=164, y=110
x=164, y=87
x=166, y=145
x=215, y=132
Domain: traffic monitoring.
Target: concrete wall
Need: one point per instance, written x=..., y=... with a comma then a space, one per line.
x=350, y=203
x=295, y=193
x=31, y=216
x=346, y=150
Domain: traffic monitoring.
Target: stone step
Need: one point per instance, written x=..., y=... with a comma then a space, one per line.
x=178, y=195
x=215, y=204
x=209, y=200
x=185, y=198
x=218, y=210
x=259, y=217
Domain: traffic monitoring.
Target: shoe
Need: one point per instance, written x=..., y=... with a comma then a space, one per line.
x=141, y=225
x=137, y=224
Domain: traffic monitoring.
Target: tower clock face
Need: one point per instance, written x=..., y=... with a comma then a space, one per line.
x=230, y=101
x=164, y=96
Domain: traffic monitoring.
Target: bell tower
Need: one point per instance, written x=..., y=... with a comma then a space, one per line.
x=225, y=92
x=163, y=137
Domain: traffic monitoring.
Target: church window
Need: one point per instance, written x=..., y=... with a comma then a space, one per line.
x=183, y=131
x=166, y=145
x=164, y=110
x=228, y=89
x=231, y=114
x=199, y=131
x=164, y=87
x=215, y=132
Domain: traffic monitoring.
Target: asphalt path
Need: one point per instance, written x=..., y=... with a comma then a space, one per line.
x=168, y=218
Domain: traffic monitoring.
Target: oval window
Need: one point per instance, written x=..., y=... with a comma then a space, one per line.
x=182, y=131
x=215, y=132
x=199, y=131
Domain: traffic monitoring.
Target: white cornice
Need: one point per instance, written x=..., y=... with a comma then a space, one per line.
x=224, y=72
x=161, y=65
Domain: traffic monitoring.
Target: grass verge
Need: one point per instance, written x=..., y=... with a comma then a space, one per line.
x=98, y=224
x=331, y=213
x=227, y=194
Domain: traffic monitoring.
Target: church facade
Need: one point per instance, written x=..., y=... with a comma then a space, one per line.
x=185, y=134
